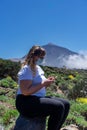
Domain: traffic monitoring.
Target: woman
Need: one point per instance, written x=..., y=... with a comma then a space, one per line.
x=31, y=100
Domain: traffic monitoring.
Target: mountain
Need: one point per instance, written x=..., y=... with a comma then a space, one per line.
x=55, y=55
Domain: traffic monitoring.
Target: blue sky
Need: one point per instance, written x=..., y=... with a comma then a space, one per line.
x=24, y=23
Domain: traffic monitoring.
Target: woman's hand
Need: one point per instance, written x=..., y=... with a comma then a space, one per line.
x=51, y=78
x=48, y=81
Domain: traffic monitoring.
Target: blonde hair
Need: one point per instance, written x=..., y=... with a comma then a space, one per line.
x=34, y=51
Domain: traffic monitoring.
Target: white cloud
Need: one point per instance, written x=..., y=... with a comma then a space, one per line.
x=77, y=61
x=83, y=53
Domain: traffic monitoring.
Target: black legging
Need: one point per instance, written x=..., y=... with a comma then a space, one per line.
x=56, y=108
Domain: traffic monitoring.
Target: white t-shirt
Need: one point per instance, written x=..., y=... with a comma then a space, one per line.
x=26, y=74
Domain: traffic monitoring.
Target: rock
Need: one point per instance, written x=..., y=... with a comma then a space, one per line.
x=37, y=123
x=70, y=127
x=1, y=127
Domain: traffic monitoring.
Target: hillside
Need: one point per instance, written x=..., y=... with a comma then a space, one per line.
x=70, y=84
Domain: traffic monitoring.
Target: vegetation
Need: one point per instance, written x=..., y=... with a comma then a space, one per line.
x=9, y=68
x=70, y=84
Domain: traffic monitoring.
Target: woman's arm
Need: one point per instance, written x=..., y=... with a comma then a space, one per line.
x=27, y=88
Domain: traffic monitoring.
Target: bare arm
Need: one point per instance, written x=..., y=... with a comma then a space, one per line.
x=27, y=88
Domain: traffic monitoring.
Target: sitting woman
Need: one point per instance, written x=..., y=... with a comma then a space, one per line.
x=31, y=99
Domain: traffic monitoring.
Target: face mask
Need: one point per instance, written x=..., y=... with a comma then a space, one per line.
x=40, y=60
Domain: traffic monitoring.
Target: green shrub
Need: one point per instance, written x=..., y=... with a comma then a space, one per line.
x=8, y=67
x=8, y=115
x=8, y=82
x=3, y=98
x=77, y=90
x=77, y=115
x=2, y=110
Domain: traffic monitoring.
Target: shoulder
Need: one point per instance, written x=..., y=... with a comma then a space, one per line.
x=40, y=69
x=25, y=73
x=26, y=67
x=24, y=70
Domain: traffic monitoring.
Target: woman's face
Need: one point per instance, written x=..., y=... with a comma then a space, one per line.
x=36, y=58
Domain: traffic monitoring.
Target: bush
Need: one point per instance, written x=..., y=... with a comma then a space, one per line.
x=77, y=115
x=8, y=115
x=82, y=100
x=8, y=82
x=77, y=90
x=7, y=67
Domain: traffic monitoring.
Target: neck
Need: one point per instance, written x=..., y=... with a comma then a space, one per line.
x=33, y=68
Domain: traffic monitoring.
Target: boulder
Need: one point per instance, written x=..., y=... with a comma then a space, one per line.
x=1, y=127
x=37, y=123
x=70, y=127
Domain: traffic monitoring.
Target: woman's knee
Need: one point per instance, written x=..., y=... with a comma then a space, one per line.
x=67, y=104
x=61, y=107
